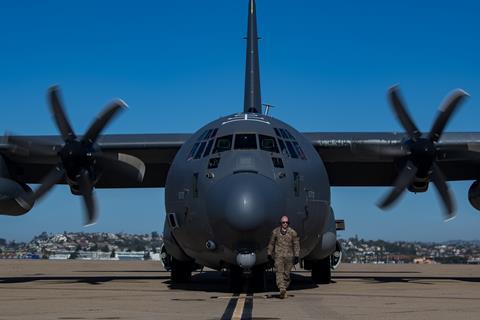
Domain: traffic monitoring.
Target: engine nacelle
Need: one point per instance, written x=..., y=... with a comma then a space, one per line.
x=474, y=195
x=15, y=198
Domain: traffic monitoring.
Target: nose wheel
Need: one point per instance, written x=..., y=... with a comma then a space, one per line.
x=253, y=280
x=181, y=271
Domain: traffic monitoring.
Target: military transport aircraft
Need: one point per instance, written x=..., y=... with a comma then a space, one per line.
x=227, y=184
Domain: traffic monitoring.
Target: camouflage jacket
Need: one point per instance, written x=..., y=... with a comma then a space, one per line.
x=284, y=245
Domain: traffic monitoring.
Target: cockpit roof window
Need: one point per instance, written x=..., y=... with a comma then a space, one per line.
x=207, y=135
x=284, y=134
x=291, y=149
x=214, y=133
x=283, y=148
x=245, y=141
x=199, y=152
x=289, y=134
x=277, y=132
x=202, y=136
x=267, y=143
x=223, y=143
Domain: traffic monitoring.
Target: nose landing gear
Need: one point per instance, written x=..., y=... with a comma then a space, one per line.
x=247, y=280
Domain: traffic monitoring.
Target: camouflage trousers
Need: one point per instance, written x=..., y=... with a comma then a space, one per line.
x=283, y=266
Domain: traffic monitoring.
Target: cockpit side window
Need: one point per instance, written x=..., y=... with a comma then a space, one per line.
x=268, y=143
x=204, y=144
x=288, y=144
x=245, y=141
x=199, y=152
x=299, y=150
x=223, y=143
x=208, y=148
x=192, y=152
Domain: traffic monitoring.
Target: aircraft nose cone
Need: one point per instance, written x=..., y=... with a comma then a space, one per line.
x=245, y=202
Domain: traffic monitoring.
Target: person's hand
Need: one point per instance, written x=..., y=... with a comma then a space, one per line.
x=295, y=260
x=270, y=258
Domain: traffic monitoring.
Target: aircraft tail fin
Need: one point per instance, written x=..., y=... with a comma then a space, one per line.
x=252, y=99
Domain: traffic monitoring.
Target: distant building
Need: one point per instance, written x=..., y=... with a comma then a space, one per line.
x=423, y=261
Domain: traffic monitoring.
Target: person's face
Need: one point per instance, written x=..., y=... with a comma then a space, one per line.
x=284, y=223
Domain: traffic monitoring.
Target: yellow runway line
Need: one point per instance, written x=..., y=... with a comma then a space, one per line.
x=237, y=313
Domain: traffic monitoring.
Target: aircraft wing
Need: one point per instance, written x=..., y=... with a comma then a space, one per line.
x=372, y=158
x=155, y=150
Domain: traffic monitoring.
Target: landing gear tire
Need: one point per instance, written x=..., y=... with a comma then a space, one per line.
x=181, y=271
x=321, y=272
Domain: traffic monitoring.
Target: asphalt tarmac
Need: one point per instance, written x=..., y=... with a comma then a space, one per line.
x=142, y=290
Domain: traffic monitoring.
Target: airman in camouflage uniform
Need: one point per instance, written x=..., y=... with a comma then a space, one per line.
x=284, y=249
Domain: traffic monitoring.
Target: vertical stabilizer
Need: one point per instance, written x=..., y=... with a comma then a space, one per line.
x=252, y=100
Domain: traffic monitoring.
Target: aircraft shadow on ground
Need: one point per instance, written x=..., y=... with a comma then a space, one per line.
x=208, y=281
x=125, y=271
x=94, y=280
x=214, y=281
x=376, y=272
x=404, y=279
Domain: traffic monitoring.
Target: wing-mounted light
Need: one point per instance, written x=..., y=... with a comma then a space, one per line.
x=80, y=159
x=418, y=160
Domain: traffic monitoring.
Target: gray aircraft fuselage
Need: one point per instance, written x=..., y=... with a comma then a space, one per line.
x=230, y=183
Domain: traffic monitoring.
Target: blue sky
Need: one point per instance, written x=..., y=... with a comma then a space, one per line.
x=180, y=64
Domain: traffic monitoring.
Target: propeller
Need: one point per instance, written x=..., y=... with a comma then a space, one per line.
x=417, y=157
x=81, y=161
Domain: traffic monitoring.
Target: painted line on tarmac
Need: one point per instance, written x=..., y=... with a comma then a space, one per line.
x=247, y=311
x=239, y=307
x=227, y=315
x=237, y=313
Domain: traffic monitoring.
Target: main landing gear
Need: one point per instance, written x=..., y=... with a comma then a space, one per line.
x=321, y=271
x=181, y=271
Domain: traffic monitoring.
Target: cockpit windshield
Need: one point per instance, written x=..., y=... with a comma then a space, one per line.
x=268, y=143
x=245, y=141
x=223, y=143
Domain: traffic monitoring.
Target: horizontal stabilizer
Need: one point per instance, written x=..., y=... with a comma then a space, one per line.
x=340, y=225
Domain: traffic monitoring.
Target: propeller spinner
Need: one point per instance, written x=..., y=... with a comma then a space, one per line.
x=80, y=159
x=418, y=154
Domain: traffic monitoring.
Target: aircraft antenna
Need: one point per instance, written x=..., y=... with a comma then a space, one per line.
x=267, y=107
x=252, y=100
